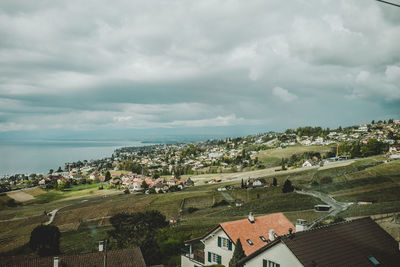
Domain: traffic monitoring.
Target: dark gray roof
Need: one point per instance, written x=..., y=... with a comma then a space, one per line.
x=343, y=244
x=131, y=257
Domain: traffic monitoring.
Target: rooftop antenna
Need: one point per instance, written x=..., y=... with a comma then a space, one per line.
x=389, y=3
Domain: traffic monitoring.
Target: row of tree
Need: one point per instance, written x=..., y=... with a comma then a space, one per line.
x=358, y=149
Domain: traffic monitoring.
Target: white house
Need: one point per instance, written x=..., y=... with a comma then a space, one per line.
x=360, y=242
x=307, y=164
x=219, y=244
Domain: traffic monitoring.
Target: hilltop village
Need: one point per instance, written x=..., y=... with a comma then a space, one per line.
x=159, y=168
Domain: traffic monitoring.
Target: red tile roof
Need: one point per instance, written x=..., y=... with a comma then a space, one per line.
x=244, y=230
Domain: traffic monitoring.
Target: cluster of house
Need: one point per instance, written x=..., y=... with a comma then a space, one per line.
x=140, y=183
x=272, y=240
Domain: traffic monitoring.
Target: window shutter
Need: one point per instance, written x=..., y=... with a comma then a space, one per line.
x=209, y=256
x=219, y=241
x=219, y=259
x=265, y=263
x=230, y=245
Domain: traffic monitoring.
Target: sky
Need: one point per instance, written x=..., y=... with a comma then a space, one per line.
x=124, y=68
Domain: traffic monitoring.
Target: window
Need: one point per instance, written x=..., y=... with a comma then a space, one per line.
x=250, y=242
x=263, y=239
x=224, y=243
x=214, y=258
x=373, y=260
x=268, y=263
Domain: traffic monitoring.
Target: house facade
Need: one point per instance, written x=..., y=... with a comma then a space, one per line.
x=218, y=245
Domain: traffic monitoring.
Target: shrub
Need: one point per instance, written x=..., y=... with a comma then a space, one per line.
x=192, y=209
x=326, y=180
x=221, y=203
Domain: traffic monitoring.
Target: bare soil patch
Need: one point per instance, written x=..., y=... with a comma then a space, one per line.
x=20, y=196
x=34, y=191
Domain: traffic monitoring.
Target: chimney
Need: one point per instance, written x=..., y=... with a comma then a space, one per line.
x=271, y=235
x=56, y=261
x=251, y=217
x=101, y=246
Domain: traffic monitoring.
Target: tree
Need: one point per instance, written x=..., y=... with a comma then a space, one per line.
x=64, y=185
x=138, y=230
x=145, y=185
x=108, y=176
x=287, y=187
x=59, y=169
x=283, y=163
x=45, y=240
x=238, y=254
x=275, y=182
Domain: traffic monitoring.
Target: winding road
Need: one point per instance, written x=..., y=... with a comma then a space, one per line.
x=53, y=215
x=336, y=206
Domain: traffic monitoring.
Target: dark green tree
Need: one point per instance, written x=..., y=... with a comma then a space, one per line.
x=108, y=176
x=45, y=240
x=283, y=164
x=144, y=185
x=138, y=230
x=287, y=187
x=238, y=254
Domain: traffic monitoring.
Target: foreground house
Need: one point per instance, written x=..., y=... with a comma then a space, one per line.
x=360, y=242
x=219, y=244
x=131, y=257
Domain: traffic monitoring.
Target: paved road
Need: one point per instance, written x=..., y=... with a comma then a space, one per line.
x=336, y=206
x=228, y=177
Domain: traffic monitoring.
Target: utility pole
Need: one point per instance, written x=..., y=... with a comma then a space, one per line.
x=105, y=253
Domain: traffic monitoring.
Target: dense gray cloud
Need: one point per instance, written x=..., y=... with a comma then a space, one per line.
x=88, y=65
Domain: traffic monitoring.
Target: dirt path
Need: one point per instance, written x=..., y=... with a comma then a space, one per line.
x=227, y=196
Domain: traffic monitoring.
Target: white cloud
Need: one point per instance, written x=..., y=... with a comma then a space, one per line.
x=284, y=94
x=187, y=64
x=363, y=76
x=393, y=73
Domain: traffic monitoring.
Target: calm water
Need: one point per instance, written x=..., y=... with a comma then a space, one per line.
x=41, y=156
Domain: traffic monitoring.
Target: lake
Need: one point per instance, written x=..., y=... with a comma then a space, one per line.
x=41, y=156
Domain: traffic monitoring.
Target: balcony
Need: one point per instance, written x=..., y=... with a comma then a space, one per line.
x=196, y=256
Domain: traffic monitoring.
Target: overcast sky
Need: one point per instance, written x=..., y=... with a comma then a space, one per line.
x=187, y=66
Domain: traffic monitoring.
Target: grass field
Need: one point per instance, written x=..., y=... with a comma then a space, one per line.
x=370, y=179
